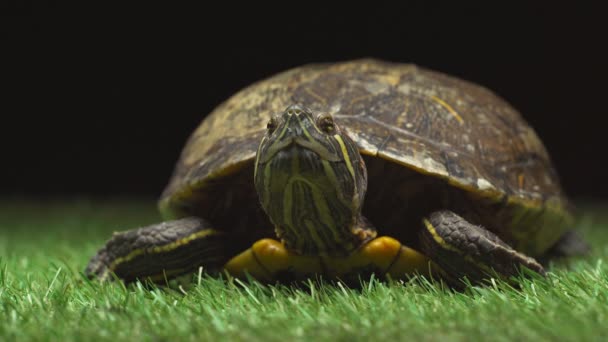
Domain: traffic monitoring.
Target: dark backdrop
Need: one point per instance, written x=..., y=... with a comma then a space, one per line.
x=103, y=106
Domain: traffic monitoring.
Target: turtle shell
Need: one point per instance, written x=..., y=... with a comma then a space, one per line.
x=422, y=120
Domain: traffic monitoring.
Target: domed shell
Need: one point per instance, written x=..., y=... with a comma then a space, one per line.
x=423, y=120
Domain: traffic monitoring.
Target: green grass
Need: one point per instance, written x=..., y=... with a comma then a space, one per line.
x=43, y=296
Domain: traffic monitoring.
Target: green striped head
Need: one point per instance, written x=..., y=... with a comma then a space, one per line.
x=311, y=180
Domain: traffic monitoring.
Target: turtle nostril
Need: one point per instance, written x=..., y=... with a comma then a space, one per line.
x=296, y=110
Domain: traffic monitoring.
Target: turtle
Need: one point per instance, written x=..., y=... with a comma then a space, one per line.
x=349, y=167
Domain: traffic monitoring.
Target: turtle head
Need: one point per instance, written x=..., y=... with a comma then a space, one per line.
x=311, y=181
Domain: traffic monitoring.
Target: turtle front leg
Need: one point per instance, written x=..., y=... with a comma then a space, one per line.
x=162, y=251
x=463, y=249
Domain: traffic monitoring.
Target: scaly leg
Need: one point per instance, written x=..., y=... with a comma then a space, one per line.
x=162, y=251
x=463, y=249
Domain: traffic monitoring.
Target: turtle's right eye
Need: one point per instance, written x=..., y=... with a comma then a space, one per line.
x=271, y=125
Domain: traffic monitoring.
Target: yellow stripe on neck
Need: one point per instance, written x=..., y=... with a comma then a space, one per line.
x=349, y=164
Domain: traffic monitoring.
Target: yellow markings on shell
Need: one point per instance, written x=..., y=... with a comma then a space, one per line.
x=520, y=180
x=349, y=164
x=268, y=257
x=448, y=107
x=392, y=78
x=429, y=227
x=248, y=262
x=159, y=249
x=359, y=98
x=316, y=96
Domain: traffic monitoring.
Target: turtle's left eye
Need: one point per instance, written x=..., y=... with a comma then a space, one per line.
x=271, y=125
x=326, y=124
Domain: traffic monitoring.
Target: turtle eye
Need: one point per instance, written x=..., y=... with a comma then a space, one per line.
x=326, y=124
x=271, y=125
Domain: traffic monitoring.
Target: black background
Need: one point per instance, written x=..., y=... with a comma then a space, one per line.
x=99, y=105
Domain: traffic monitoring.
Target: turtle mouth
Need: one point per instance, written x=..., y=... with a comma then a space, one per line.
x=296, y=141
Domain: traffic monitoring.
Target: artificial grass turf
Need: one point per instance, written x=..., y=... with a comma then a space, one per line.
x=44, y=245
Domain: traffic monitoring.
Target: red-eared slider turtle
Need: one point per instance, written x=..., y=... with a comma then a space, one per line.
x=452, y=177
